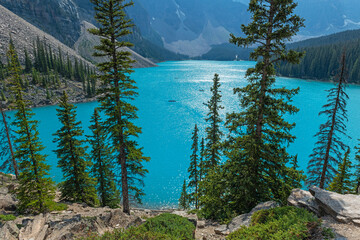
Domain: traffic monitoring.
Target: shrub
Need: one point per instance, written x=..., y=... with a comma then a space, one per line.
x=163, y=227
x=172, y=225
x=54, y=206
x=4, y=218
x=129, y=234
x=288, y=223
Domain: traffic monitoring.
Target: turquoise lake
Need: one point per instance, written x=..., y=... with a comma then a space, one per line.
x=167, y=126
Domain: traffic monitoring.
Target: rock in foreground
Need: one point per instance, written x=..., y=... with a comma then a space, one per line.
x=344, y=208
x=243, y=219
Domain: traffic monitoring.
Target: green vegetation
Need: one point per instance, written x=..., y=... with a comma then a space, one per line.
x=36, y=191
x=342, y=182
x=165, y=226
x=9, y=217
x=288, y=223
x=256, y=148
x=328, y=149
x=213, y=132
x=357, y=171
x=116, y=96
x=321, y=61
x=184, y=202
x=78, y=186
x=194, y=170
x=102, y=168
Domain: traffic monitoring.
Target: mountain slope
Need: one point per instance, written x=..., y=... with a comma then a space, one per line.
x=24, y=36
x=85, y=47
x=59, y=18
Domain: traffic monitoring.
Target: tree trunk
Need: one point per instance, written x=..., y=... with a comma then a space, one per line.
x=9, y=142
x=331, y=133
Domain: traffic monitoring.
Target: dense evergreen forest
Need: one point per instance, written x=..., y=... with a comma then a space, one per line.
x=50, y=70
x=322, y=57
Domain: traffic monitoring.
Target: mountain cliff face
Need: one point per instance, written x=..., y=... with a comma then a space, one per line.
x=59, y=18
x=191, y=27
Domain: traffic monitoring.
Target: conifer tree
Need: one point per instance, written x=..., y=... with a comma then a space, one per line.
x=28, y=64
x=259, y=135
x=3, y=97
x=201, y=162
x=213, y=132
x=78, y=186
x=102, y=169
x=9, y=163
x=194, y=169
x=36, y=190
x=357, y=171
x=116, y=97
x=342, y=182
x=328, y=149
x=184, y=198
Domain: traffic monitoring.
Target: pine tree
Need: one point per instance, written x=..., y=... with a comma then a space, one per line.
x=117, y=95
x=342, y=182
x=194, y=169
x=202, y=156
x=102, y=169
x=28, y=64
x=259, y=135
x=213, y=132
x=328, y=149
x=3, y=97
x=357, y=170
x=78, y=186
x=36, y=190
x=184, y=198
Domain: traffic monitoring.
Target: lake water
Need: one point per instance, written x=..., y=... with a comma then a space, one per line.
x=167, y=126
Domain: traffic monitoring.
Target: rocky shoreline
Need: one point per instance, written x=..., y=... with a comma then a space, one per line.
x=338, y=212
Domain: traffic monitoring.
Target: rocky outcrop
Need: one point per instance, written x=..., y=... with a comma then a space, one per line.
x=343, y=208
x=303, y=199
x=7, y=199
x=77, y=221
x=244, y=219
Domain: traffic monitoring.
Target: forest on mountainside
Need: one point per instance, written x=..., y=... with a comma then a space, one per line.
x=322, y=56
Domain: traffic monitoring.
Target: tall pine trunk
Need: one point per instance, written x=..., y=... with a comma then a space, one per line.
x=9, y=141
x=330, y=138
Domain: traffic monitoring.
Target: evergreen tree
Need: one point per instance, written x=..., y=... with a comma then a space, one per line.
x=102, y=169
x=194, y=169
x=259, y=135
x=28, y=64
x=342, y=182
x=36, y=190
x=78, y=186
x=116, y=97
x=3, y=97
x=202, y=156
x=184, y=198
x=328, y=149
x=213, y=132
x=357, y=170
x=295, y=177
